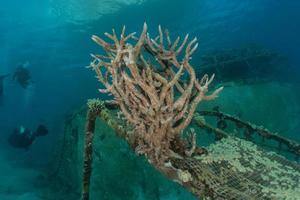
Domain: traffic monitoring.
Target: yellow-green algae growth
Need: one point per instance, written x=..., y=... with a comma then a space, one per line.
x=276, y=177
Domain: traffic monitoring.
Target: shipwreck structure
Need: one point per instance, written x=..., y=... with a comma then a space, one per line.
x=246, y=65
x=156, y=105
x=155, y=94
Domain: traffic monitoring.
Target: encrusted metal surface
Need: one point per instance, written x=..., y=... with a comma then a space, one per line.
x=238, y=169
x=232, y=169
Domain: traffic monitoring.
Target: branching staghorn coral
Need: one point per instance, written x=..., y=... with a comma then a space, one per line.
x=148, y=81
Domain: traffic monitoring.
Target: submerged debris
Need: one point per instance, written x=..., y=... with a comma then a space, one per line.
x=246, y=65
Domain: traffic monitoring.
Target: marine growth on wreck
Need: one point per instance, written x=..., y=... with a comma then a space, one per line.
x=156, y=105
x=91, y=109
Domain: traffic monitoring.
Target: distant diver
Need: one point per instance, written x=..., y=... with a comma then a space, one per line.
x=2, y=77
x=22, y=75
x=22, y=138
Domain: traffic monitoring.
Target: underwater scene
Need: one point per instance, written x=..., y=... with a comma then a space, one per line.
x=150, y=100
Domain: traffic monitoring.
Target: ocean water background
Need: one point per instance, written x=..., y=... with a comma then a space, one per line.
x=53, y=36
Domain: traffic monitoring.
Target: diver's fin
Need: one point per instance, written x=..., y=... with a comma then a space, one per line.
x=41, y=131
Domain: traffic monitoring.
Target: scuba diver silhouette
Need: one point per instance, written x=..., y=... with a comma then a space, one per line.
x=22, y=138
x=22, y=75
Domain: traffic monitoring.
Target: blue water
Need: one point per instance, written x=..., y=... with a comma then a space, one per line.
x=53, y=37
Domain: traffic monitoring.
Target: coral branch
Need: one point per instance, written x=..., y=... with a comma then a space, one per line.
x=153, y=98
